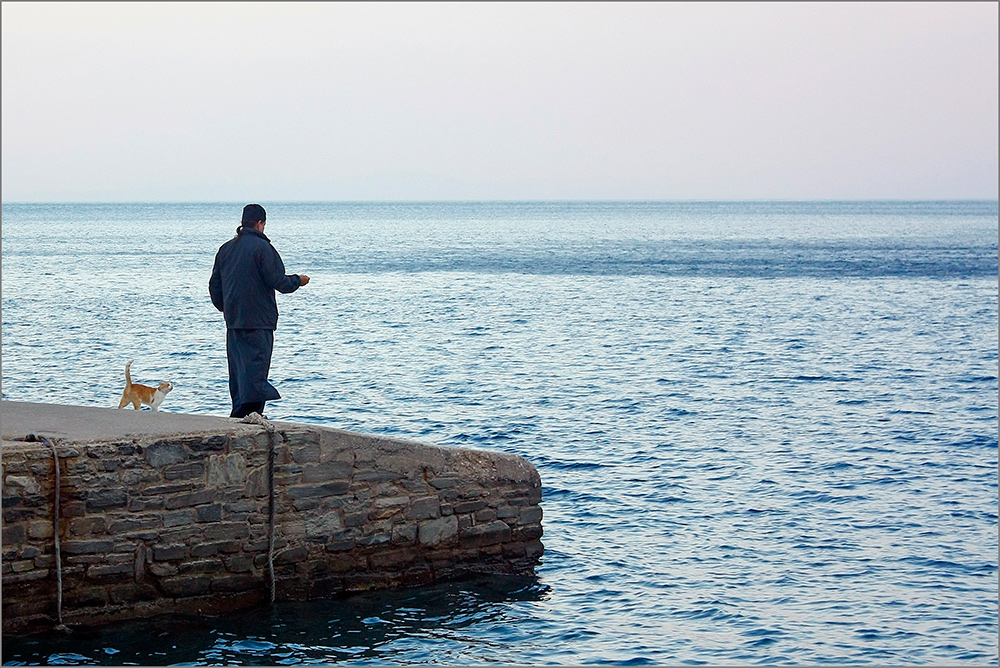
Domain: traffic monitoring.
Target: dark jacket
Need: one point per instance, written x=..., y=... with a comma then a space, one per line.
x=247, y=271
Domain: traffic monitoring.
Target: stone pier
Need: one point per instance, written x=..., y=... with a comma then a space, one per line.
x=164, y=512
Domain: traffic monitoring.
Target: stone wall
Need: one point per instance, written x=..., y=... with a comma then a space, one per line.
x=181, y=523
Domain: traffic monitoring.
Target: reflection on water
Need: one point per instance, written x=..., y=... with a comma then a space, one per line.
x=414, y=625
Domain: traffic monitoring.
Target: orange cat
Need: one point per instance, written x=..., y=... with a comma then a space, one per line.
x=137, y=395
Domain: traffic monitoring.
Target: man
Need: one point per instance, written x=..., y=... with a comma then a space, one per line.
x=247, y=271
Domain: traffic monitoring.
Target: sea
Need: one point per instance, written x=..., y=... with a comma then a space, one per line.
x=766, y=431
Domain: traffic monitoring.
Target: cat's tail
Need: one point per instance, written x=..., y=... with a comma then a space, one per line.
x=128, y=376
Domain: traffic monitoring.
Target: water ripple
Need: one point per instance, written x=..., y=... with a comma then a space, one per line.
x=767, y=433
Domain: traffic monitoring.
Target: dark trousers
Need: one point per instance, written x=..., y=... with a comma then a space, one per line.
x=249, y=355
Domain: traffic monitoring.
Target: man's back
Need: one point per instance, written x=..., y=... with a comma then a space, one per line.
x=247, y=271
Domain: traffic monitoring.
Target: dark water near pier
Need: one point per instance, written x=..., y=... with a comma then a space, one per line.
x=767, y=432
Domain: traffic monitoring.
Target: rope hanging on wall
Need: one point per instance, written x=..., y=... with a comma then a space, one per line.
x=55, y=528
x=256, y=418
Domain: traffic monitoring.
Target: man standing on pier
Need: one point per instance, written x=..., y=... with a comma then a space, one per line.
x=246, y=274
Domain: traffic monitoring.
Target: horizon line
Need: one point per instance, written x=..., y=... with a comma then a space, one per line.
x=522, y=201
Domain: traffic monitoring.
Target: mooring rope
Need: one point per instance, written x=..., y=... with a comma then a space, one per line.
x=256, y=418
x=55, y=529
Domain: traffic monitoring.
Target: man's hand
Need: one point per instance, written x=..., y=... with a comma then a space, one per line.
x=303, y=278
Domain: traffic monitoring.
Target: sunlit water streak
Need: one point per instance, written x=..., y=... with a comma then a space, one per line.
x=767, y=433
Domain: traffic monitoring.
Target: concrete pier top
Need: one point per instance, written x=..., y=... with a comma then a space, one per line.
x=87, y=424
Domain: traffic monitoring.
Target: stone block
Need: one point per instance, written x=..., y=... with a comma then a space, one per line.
x=444, y=482
x=231, y=546
x=404, y=533
x=138, y=477
x=201, y=566
x=424, y=508
x=307, y=453
x=12, y=466
x=22, y=565
x=139, y=505
x=295, y=437
x=82, y=597
x=209, y=513
x=323, y=524
x=126, y=448
x=233, y=583
x=45, y=561
x=392, y=501
x=257, y=482
x=164, y=490
x=205, y=549
x=356, y=519
x=327, y=471
x=87, y=546
x=376, y=476
x=241, y=506
x=169, y=552
x=179, y=518
x=23, y=578
x=185, y=471
x=227, y=470
x=21, y=484
x=342, y=562
x=392, y=559
x=162, y=570
x=311, y=569
x=182, y=586
x=533, y=549
x=259, y=545
x=79, y=468
x=469, y=506
x=131, y=593
x=486, y=534
x=130, y=523
x=192, y=499
x=10, y=500
x=320, y=490
x=379, y=538
x=208, y=443
x=227, y=531
x=41, y=529
x=103, y=573
x=341, y=545
x=513, y=550
x=164, y=453
x=239, y=564
x=15, y=515
x=303, y=505
x=291, y=556
x=530, y=515
x=123, y=544
x=432, y=532
x=83, y=560
x=35, y=500
x=530, y=532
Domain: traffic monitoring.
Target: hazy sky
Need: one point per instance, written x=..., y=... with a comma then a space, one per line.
x=328, y=101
